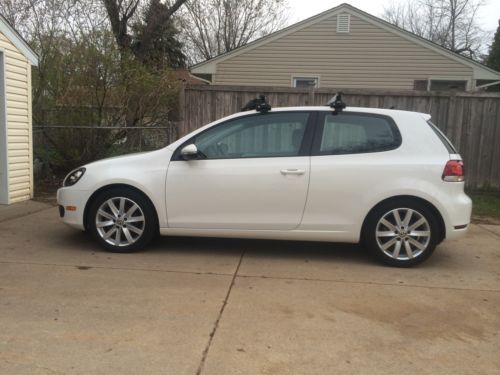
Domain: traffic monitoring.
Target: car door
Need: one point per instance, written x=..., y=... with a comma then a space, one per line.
x=251, y=173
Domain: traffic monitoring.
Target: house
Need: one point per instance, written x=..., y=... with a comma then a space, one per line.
x=16, y=148
x=345, y=47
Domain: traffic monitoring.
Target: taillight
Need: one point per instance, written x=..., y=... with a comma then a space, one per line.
x=454, y=171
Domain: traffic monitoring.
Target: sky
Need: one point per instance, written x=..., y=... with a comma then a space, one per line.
x=301, y=9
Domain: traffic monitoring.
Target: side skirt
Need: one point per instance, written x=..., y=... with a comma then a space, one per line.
x=292, y=235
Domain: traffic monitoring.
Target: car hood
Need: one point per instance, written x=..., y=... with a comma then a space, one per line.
x=130, y=160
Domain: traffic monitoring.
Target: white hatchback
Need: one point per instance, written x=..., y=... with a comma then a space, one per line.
x=389, y=179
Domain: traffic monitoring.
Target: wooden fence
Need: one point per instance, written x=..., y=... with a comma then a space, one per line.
x=470, y=120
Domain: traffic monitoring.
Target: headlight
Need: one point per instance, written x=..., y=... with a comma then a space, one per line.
x=73, y=177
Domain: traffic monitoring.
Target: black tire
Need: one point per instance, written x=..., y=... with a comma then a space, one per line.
x=146, y=210
x=390, y=256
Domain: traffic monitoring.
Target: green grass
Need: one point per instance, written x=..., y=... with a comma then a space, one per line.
x=485, y=203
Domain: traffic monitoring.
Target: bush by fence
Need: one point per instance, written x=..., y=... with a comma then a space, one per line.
x=60, y=148
x=470, y=120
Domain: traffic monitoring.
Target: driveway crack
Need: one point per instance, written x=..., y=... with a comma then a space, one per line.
x=217, y=321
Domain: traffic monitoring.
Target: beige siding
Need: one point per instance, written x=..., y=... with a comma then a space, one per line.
x=367, y=57
x=18, y=101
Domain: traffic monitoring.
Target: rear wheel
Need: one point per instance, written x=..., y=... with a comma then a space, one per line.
x=402, y=233
x=122, y=220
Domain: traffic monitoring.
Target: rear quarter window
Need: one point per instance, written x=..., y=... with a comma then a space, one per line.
x=355, y=133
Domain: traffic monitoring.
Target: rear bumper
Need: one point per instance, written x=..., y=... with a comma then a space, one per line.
x=458, y=213
x=72, y=203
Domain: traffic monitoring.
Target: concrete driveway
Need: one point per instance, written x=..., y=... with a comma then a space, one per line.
x=209, y=306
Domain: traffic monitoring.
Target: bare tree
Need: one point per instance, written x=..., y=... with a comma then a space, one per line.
x=452, y=24
x=121, y=13
x=213, y=27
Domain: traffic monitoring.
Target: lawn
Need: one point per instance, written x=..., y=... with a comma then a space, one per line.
x=485, y=203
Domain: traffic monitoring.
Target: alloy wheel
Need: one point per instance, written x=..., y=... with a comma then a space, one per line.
x=403, y=233
x=120, y=221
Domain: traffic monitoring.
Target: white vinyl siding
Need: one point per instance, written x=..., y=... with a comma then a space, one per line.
x=19, y=133
x=367, y=56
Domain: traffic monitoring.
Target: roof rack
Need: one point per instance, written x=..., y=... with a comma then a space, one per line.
x=336, y=103
x=260, y=104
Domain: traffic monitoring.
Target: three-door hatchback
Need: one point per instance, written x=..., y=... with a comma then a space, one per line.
x=387, y=178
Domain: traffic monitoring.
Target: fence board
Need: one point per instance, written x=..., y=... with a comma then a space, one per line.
x=471, y=120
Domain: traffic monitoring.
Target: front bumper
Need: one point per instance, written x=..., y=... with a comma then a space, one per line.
x=72, y=203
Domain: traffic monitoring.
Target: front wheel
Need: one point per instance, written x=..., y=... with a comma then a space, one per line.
x=122, y=220
x=401, y=233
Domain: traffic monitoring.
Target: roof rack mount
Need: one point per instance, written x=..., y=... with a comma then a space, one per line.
x=260, y=104
x=336, y=103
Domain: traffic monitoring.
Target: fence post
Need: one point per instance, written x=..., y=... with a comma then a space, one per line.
x=311, y=95
x=181, y=110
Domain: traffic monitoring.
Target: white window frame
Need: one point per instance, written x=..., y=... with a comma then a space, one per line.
x=301, y=76
x=468, y=84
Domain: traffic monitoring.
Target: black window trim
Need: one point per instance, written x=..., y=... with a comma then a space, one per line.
x=316, y=144
x=305, y=147
x=443, y=138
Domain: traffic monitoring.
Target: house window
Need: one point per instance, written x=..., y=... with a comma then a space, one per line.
x=343, y=23
x=306, y=82
x=442, y=85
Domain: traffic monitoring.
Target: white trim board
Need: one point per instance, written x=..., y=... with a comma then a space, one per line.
x=13, y=36
x=4, y=165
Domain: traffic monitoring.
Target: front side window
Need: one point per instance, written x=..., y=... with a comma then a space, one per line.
x=257, y=136
x=347, y=133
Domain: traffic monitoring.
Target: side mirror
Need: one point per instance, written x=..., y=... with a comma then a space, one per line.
x=189, y=152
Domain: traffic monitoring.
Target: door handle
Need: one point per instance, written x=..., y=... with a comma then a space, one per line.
x=292, y=171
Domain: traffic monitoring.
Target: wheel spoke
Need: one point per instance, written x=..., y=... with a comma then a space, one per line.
x=406, y=220
x=105, y=214
x=388, y=224
x=408, y=249
x=417, y=244
x=135, y=219
x=103, y=224
x=386, y=234
x=395, y=213
x=131, y=210
x=109, y=234
x=419, y=233
x=135, y=229
x=121, y=210
x=128, y=236
x=397, y=249
x=417, y=224
x=118, y=237
x=389, y=243
x=113, y=208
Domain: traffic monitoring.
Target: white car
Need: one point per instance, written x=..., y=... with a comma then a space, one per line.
x=387, y=178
